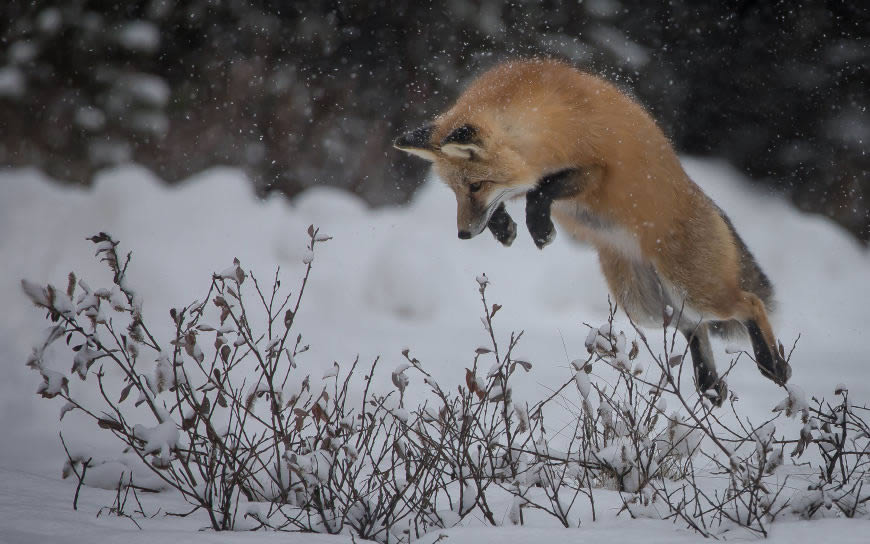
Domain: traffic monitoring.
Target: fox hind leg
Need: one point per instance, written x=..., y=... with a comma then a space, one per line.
x=707, y=380
x=638, y=290
x=770, y=362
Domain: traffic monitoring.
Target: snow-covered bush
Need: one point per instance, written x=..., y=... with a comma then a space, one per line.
x=223, y=412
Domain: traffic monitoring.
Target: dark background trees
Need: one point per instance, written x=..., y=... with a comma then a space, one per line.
x=304, y=93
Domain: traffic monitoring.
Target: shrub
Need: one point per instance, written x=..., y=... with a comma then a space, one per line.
x=223, y=413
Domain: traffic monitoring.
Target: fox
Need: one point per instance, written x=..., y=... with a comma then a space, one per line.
x=586, y=154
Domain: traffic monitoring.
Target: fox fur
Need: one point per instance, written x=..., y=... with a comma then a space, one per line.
x=586, y=154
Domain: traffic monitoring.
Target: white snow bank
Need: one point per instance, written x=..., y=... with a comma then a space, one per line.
x=395, y=277
x=392, y=278
x=37, y=509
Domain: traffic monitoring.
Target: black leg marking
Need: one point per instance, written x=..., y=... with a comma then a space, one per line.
x=702, y=372
x=706, y=378
x=562, y=184
x=769, y=361
x=502, y=226
x=559, y=185
x=538, y=219
x=763, y=357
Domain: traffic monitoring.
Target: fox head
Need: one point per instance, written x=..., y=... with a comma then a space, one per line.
x=482, y=172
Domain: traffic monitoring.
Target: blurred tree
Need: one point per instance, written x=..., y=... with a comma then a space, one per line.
x=302, y=93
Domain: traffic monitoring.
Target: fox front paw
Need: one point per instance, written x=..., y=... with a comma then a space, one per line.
x=538, y=219
x=502, y=226
x=543, y=235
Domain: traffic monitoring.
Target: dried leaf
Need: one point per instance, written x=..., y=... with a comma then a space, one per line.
x=187, y=423
x=675, y=360
x=495, y=308
x=318, y=412
x=527, y=366
x=125, y=392
x=471, y=382
x=240, y=274
x=111, y=424
x=205, y=407
x=482, y=350
x=71, y=285
x=632, y=355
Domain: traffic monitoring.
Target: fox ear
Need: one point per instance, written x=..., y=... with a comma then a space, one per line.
x=463, y=151
x=463, y=143
x=417, y=142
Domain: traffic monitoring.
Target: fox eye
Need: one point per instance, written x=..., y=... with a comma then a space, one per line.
x=474, y=187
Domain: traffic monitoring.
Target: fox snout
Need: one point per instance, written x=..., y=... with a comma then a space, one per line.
x=472, y=214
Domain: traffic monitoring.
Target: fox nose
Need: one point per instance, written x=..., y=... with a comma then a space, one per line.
x=464, y=235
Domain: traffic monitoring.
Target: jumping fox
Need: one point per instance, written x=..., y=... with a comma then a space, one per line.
x=586, y=154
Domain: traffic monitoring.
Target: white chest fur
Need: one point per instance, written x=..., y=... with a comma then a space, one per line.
x=600, y=231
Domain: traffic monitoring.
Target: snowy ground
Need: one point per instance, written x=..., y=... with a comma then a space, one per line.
x=390, y=279
x=37, y=509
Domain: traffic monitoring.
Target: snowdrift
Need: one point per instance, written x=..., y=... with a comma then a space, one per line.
x=393, y=278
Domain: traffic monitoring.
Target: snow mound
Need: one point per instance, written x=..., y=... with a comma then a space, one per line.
x=391, y=278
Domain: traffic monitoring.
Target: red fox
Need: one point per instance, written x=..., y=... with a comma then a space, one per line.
x=587, y=154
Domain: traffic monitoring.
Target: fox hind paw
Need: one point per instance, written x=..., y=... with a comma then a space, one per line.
x=717, y=392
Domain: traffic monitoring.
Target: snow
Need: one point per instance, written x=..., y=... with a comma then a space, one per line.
x=147, y=89
x=109, y=152
x=49, y=20
x=389, y=279
x=12, y=84
x=22, y=52
x=583, y=383
x=141, y=36
x=37, y=508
